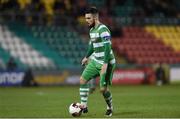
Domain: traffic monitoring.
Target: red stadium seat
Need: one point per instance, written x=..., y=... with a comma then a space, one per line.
x=143, y=47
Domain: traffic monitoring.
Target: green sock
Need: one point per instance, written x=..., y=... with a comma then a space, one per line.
x=84, y=92
x=108, y=98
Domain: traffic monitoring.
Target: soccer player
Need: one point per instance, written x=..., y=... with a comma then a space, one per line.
x=102, y=62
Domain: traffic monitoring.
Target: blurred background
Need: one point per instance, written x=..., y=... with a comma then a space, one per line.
x=42, y=42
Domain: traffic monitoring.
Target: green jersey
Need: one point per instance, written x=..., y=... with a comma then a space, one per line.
x=100, y=45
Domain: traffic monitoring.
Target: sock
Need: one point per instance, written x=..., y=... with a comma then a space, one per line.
x=108, y=98
x=84, y=92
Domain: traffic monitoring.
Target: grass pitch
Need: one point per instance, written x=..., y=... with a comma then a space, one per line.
x=53, y=102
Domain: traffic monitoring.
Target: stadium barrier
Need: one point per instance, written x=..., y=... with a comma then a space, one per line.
x=11, y=78
x=127, y=74
x=124, y=75
x=17, y=78
x=134, y=76
x=174, y=74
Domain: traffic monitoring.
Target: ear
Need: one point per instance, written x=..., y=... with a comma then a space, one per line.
x=95, y=18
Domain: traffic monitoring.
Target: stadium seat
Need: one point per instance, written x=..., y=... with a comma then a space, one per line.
x=148, y=45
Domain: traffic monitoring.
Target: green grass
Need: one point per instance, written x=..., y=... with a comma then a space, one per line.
x=129, y=101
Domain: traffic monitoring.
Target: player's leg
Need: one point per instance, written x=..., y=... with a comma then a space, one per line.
x=104, y=89
x=92, y=85
x=108, y=98
x=89, y=72
x=84, y=92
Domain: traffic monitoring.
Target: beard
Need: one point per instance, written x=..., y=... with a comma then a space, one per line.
x=92, y=25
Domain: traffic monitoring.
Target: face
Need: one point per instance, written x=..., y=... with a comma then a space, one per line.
x=90, y=20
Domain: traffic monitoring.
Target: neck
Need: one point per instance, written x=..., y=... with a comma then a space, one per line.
x=97, y=23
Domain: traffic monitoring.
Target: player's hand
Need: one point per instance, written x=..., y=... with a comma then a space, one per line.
x=84, y=61
x=104, y=68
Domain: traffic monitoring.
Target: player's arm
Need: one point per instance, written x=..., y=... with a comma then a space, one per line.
x=89, y=52
x=107, y=50
x=105, y=35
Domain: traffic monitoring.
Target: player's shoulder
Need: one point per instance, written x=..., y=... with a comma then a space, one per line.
x=103, y=28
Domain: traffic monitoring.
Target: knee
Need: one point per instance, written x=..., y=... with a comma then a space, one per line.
x=103, y=90
x=82, y=80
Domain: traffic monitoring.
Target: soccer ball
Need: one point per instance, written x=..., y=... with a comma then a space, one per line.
x=75, y=110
